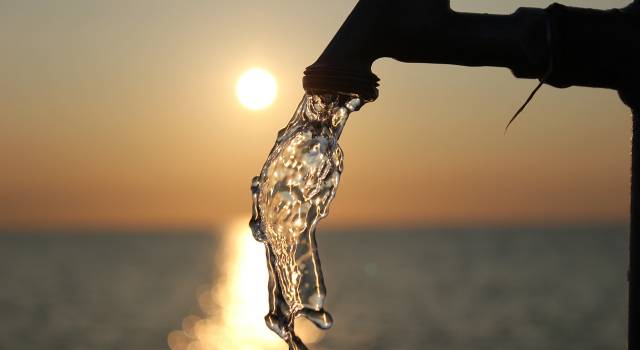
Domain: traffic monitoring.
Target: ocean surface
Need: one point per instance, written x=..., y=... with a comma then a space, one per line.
x=512, y=288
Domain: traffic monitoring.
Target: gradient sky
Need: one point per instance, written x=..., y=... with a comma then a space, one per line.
x=123, y=114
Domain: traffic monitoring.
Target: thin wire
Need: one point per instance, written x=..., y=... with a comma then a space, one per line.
x=506, y=128
x=542, y=81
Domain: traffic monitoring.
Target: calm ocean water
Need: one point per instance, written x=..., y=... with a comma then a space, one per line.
x=551, y=288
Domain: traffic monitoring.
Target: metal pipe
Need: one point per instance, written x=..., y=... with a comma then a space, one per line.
x=562, y=46
x=632, y=99
x=429, y=32
x=634, y=237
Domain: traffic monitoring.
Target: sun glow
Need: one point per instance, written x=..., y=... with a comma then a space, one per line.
x=256, y=89
x=234, y=308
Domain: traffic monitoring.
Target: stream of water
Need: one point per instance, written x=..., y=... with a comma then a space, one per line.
x=292, y=193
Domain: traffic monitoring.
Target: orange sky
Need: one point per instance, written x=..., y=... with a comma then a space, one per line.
x=123, y=114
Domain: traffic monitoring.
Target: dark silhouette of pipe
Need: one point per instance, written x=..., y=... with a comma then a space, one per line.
x=561, y=46
x=577, y=47
x=634, y=238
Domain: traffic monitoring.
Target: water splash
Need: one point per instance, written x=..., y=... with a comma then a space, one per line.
x=293, y=192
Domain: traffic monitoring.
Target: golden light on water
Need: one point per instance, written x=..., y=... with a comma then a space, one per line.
x=256, y=89
x=233, y=309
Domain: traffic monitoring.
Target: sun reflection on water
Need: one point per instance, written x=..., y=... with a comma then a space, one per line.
x=234, y=307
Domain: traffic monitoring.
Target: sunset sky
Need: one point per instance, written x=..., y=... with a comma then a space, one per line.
x=124, y=114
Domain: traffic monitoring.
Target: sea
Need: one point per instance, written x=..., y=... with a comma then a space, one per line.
x=543, y=287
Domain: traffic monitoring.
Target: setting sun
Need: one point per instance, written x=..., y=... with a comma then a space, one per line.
x=256, y=89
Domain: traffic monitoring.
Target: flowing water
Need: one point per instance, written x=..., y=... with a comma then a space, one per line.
x=291, y=194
